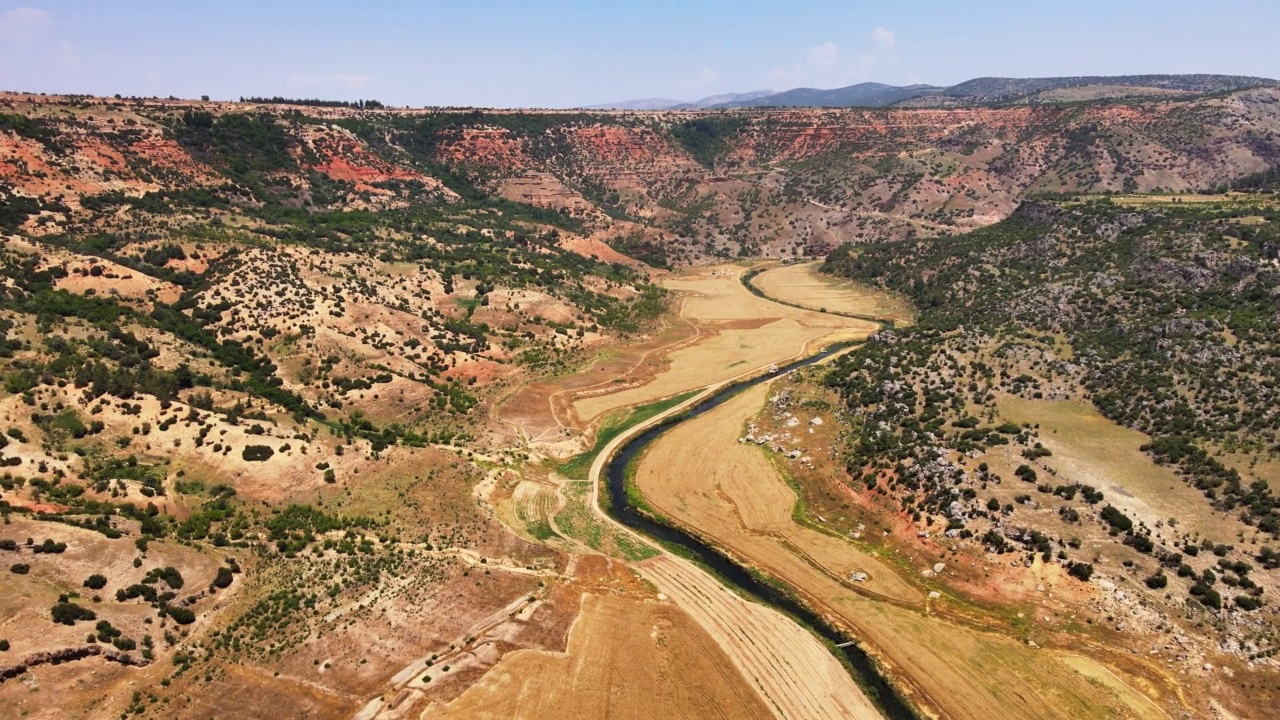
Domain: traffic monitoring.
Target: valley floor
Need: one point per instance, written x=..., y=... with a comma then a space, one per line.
x=951, y=655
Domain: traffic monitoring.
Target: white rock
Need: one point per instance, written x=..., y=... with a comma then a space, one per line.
x=934, y=594
x=937, y=568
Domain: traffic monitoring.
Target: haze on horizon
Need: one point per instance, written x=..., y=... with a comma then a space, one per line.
x=574, y=52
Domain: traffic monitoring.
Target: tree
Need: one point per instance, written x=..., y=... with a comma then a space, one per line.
x=1080, y=571
x=257, y=453
x=180, y=615
x=223, y=580
x=95, y=582
x=68, y=613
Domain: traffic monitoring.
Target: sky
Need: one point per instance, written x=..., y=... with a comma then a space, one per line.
x=570, y=53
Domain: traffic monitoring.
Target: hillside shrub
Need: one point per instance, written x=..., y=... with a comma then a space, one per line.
x=257, y=453
x=67, y=613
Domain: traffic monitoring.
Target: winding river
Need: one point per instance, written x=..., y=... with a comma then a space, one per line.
x=619, y=507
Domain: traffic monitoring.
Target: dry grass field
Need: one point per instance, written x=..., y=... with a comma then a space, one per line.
x=1090, y=449
x=736, y=491
x=743, y=333
x=802, y=284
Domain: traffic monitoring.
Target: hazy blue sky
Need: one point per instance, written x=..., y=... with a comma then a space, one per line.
x=555, y=54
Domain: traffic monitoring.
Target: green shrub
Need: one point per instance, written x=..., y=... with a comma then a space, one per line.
x=68, y=613
x=169, y=575
x=1116, y=519
x=146, y=592
x=51, y=547
x=257, y=453
x=180, y=615
x=1080, y=571
x=1246, y=602
x=223, y=580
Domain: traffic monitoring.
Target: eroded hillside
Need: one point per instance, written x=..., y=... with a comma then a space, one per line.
x=667, y=187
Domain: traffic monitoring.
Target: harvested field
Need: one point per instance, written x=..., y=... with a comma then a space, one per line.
x=625, y=659
x=732, y=494
x=802, y=284
x=745, y=333
x=798, y=676
x=736, y=492
x=535, y=505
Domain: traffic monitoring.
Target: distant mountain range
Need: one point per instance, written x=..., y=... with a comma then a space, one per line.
x=979, y=91
x=868, y=94
x=722, y=100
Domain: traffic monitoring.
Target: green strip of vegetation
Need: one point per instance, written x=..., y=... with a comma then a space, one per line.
x=577, y=467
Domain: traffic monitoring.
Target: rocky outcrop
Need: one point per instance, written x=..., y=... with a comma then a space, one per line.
x=69, y=654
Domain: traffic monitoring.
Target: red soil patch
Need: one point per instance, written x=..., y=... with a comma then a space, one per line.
x=595, y=247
